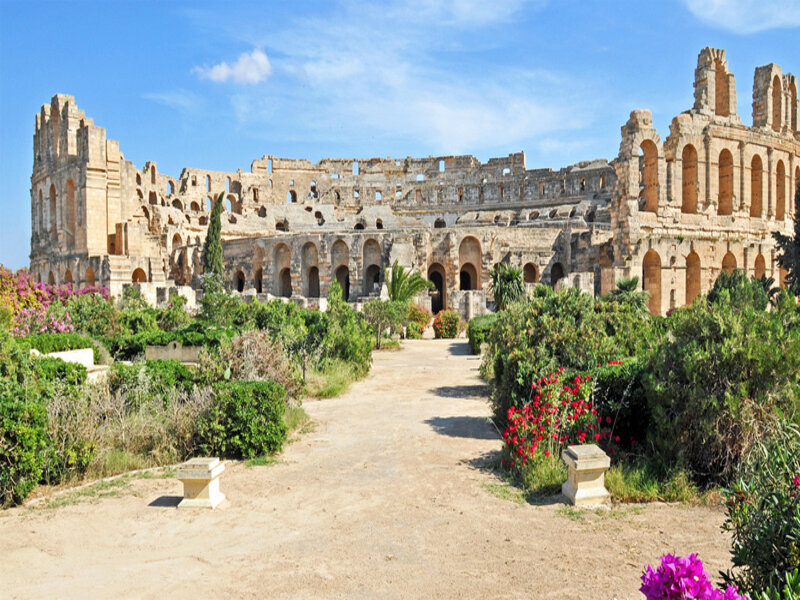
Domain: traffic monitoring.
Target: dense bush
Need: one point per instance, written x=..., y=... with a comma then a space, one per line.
x=47, y=369
x=59, y=342
x=718, y=381
x=478, y=330
x=763, y=513
x=385, y=315
x=162, y=376
x=446, y=324
x=23, y=442
x=245, y=420
x=618, y=394
x=349, y=336
x=419, y=315
x=413, y=331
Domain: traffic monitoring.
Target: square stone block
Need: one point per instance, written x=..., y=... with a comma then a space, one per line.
x=585, y=485
x=200, y=478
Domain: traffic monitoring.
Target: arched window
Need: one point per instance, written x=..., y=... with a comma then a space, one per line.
x=689, y=172
x=70, y=208
x=291, y=196
x=729, y=263
x=756, y=186
x=238, y=281
x=176, y=240
x=170, y=188
x=780, y=191
x=89, y=279
x=177, y=204
x=470, y=259
x=437, y=276
x=725, y=206
x=208, y=183
x=227, y=184
x=649, y=175
x=556, y=274
x=651, y=279
x=139, y=276
x=53, y=221
x=692, y=277
x=776, y=103
x=378, y=224
x=530, y=273
x=439, y=224
x=68, y=276
x=152, y=198
x=760, y=267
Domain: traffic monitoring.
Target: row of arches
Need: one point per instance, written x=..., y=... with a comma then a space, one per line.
x=89, y=279
x=46, y=217
x=652, y=271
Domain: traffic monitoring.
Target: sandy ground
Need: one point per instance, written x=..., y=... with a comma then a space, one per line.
x=388, y=496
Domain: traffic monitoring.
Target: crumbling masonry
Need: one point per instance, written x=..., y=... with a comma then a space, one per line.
x=674, y=213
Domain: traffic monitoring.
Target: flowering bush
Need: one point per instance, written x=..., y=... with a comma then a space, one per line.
x=446, y=324
x=413, y=331
x=679, y=578
x=419, y=315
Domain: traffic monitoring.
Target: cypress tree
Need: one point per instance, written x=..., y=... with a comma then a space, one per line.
x=212, y=249
x=789, y=249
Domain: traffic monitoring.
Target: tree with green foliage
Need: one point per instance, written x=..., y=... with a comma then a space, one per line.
x=627, y=292
x=212, y=249
x=789, y=249
x=404, y=284
x=385, y=314
x=507, y=285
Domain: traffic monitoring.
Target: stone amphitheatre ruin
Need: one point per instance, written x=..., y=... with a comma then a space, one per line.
x=674, y=213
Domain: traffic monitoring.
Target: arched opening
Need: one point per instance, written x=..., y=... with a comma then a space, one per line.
x=152, y=198
x=195, y=207
x=291, y=196
x=285, y=279
x=139, y=276
x=776, y=103
x=170, y=188
x=71, y=209
x=68, y=276
x=138, y=179
x=228, y=204
x=689, y=171
x=203, y=221
x=729, y=263
x=759, y=267
x=227, y=184
x=313, y=282
x=89, y=278
x=756, y=186
x=50, y=279
x=53, y=220
x=343, y=277
x=692, y=277
x=725, y=205
x=209, y=203
x=556, y=274
x=378, y=224
x=436, y=275
x=258, y=279
x=359, y=226
x=208, y=183
x=176, y=240
x=721, y=91
x=649, y=175
x=282, y=262
x=262, y=211
x=780, y=191
x=282, y=226
x=177, y=204
x=651, y=278
x=439, y=224
x=40, y=221
x=238, y=281
x=530, y=273
x=470, y=258
x=467, y=277
x=371, y=254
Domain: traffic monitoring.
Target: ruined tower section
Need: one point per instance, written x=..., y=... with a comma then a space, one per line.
x=711, y=199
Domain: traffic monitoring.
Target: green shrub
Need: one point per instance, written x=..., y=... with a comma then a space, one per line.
x=413, y=331
x=60, y=342
x=718, y=381
x=618, y=394
x=763, y=514
x=162, y=376
x=349, y=336
x=245, y=420
x=174, y=315
x=446, y=324
x=94, y=315
x=383, y=315
x=478, y=330
x=23, y=442
x=419, y=315
x=739, y=289
x=54, y=369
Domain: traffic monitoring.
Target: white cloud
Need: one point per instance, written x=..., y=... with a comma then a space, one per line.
x=248, y=68
x=178, y=99
x=746, y=16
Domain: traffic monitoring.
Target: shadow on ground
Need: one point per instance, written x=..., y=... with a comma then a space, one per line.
x=462, y=391
x=459, y=348
x=166, y=501
x=477, y=428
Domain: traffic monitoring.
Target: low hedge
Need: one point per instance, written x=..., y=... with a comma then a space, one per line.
x=478, y=330
x=128, y=347
x=61, y=342
x=52, y=369
x=164, y=375
x=245, y=420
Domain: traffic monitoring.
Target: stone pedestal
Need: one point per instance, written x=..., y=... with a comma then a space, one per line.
x=200, y=478
x=587, y=466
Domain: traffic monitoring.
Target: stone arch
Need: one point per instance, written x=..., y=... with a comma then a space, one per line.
x=71, y=209
x=729, y=262
x=776, y=103
x=438, y=276
x=556, y=274
x=238, y=280
x=195, y=207
x=139, y=276
x=530, y=273
x=258, y=269
x=177, y=204
x=51, y=280
x=651, y=280
x=340, y=260
x=53, y=218
x=310, y=263
x=68, y=276
x=89, y=277
x=152, y=198
x=371, y=254
x=439, y=224
x=693, y=277
x=759, y=267
x=342, y=275
x=209, y=203
x=725, y=179
x=282, y=263
x=721, y=90
x=689, y=174
x=170, y=188
x=228, y=205
x=780, y=191
x=41, y=221
x=378, y=224
x=208, y=183
x=469, y=259
x=176, y=240
x=756, y=186
x=649, y=175
x=291, y=196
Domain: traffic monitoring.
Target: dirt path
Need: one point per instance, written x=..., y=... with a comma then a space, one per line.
x=385, y=498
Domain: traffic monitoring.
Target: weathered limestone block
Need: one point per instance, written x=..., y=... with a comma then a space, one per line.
x=200, y=478
x=587, y=466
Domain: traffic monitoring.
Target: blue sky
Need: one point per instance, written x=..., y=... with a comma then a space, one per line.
x=216, y=84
